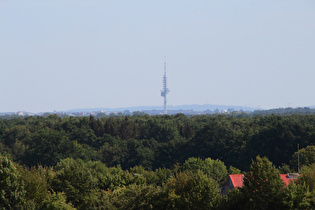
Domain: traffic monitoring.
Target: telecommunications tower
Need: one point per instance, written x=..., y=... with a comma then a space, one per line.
x=165, y=90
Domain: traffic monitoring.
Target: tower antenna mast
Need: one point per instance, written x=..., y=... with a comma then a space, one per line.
x=165, y=90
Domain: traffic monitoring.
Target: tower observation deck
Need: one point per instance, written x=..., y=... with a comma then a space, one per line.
x=165, y=90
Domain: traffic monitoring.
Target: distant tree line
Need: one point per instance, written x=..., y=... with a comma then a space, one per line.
x=285, y=111
x=156, y=141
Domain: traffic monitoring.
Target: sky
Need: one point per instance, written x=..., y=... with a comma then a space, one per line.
x=66, y=54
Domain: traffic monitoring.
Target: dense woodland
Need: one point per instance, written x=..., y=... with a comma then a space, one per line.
x=159, y=162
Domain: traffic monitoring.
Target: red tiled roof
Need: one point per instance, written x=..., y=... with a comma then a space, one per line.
x=237, y=180
x=285, y=178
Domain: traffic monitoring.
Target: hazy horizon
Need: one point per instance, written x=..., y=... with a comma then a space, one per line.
x=62, y=55
x=194, y=107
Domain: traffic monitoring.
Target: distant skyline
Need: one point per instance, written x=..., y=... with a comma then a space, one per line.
x=67, y=54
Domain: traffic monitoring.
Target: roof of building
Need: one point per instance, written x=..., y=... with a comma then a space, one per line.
x=287, y=178
x=237, y=179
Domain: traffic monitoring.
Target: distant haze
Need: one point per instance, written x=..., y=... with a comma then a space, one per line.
x=193, y=107
x=64, y=54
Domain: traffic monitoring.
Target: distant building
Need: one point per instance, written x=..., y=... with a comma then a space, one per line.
x=236, y=181
x=170, y=112
x=20, y=113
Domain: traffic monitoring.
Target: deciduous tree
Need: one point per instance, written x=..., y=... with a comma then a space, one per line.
x=263, y=188
x=11, y=190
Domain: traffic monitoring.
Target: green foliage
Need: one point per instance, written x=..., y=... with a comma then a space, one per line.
x=308, y=176
x=263, y=186
x=14, y=139
x=284, y=169
x=163, y=175
x=75, y=179
x=56, y=201
x=45, y=147
x=214, y=169
x=298, y=196
x=136, y=197
x=91, y=185
x=233, y=170
x=97, y=199
x=11, y=190
x=139, y=154
x=161, y=130
x=113, y=152
x=306, y=155
x=111, y=162
x=234, y=200
x=277, y=138
x=191, y=191
x=155, y=141
x=36, y=183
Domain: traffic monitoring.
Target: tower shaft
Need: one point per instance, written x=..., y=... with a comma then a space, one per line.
x=165, y=90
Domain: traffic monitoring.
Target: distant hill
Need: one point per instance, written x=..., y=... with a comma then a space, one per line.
x=211, y=107
x=194, y=107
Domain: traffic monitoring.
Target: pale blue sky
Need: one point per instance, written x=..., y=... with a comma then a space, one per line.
x=65, y=54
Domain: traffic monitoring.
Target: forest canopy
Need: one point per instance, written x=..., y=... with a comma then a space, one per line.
x=117, y=161
x=156, y=141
